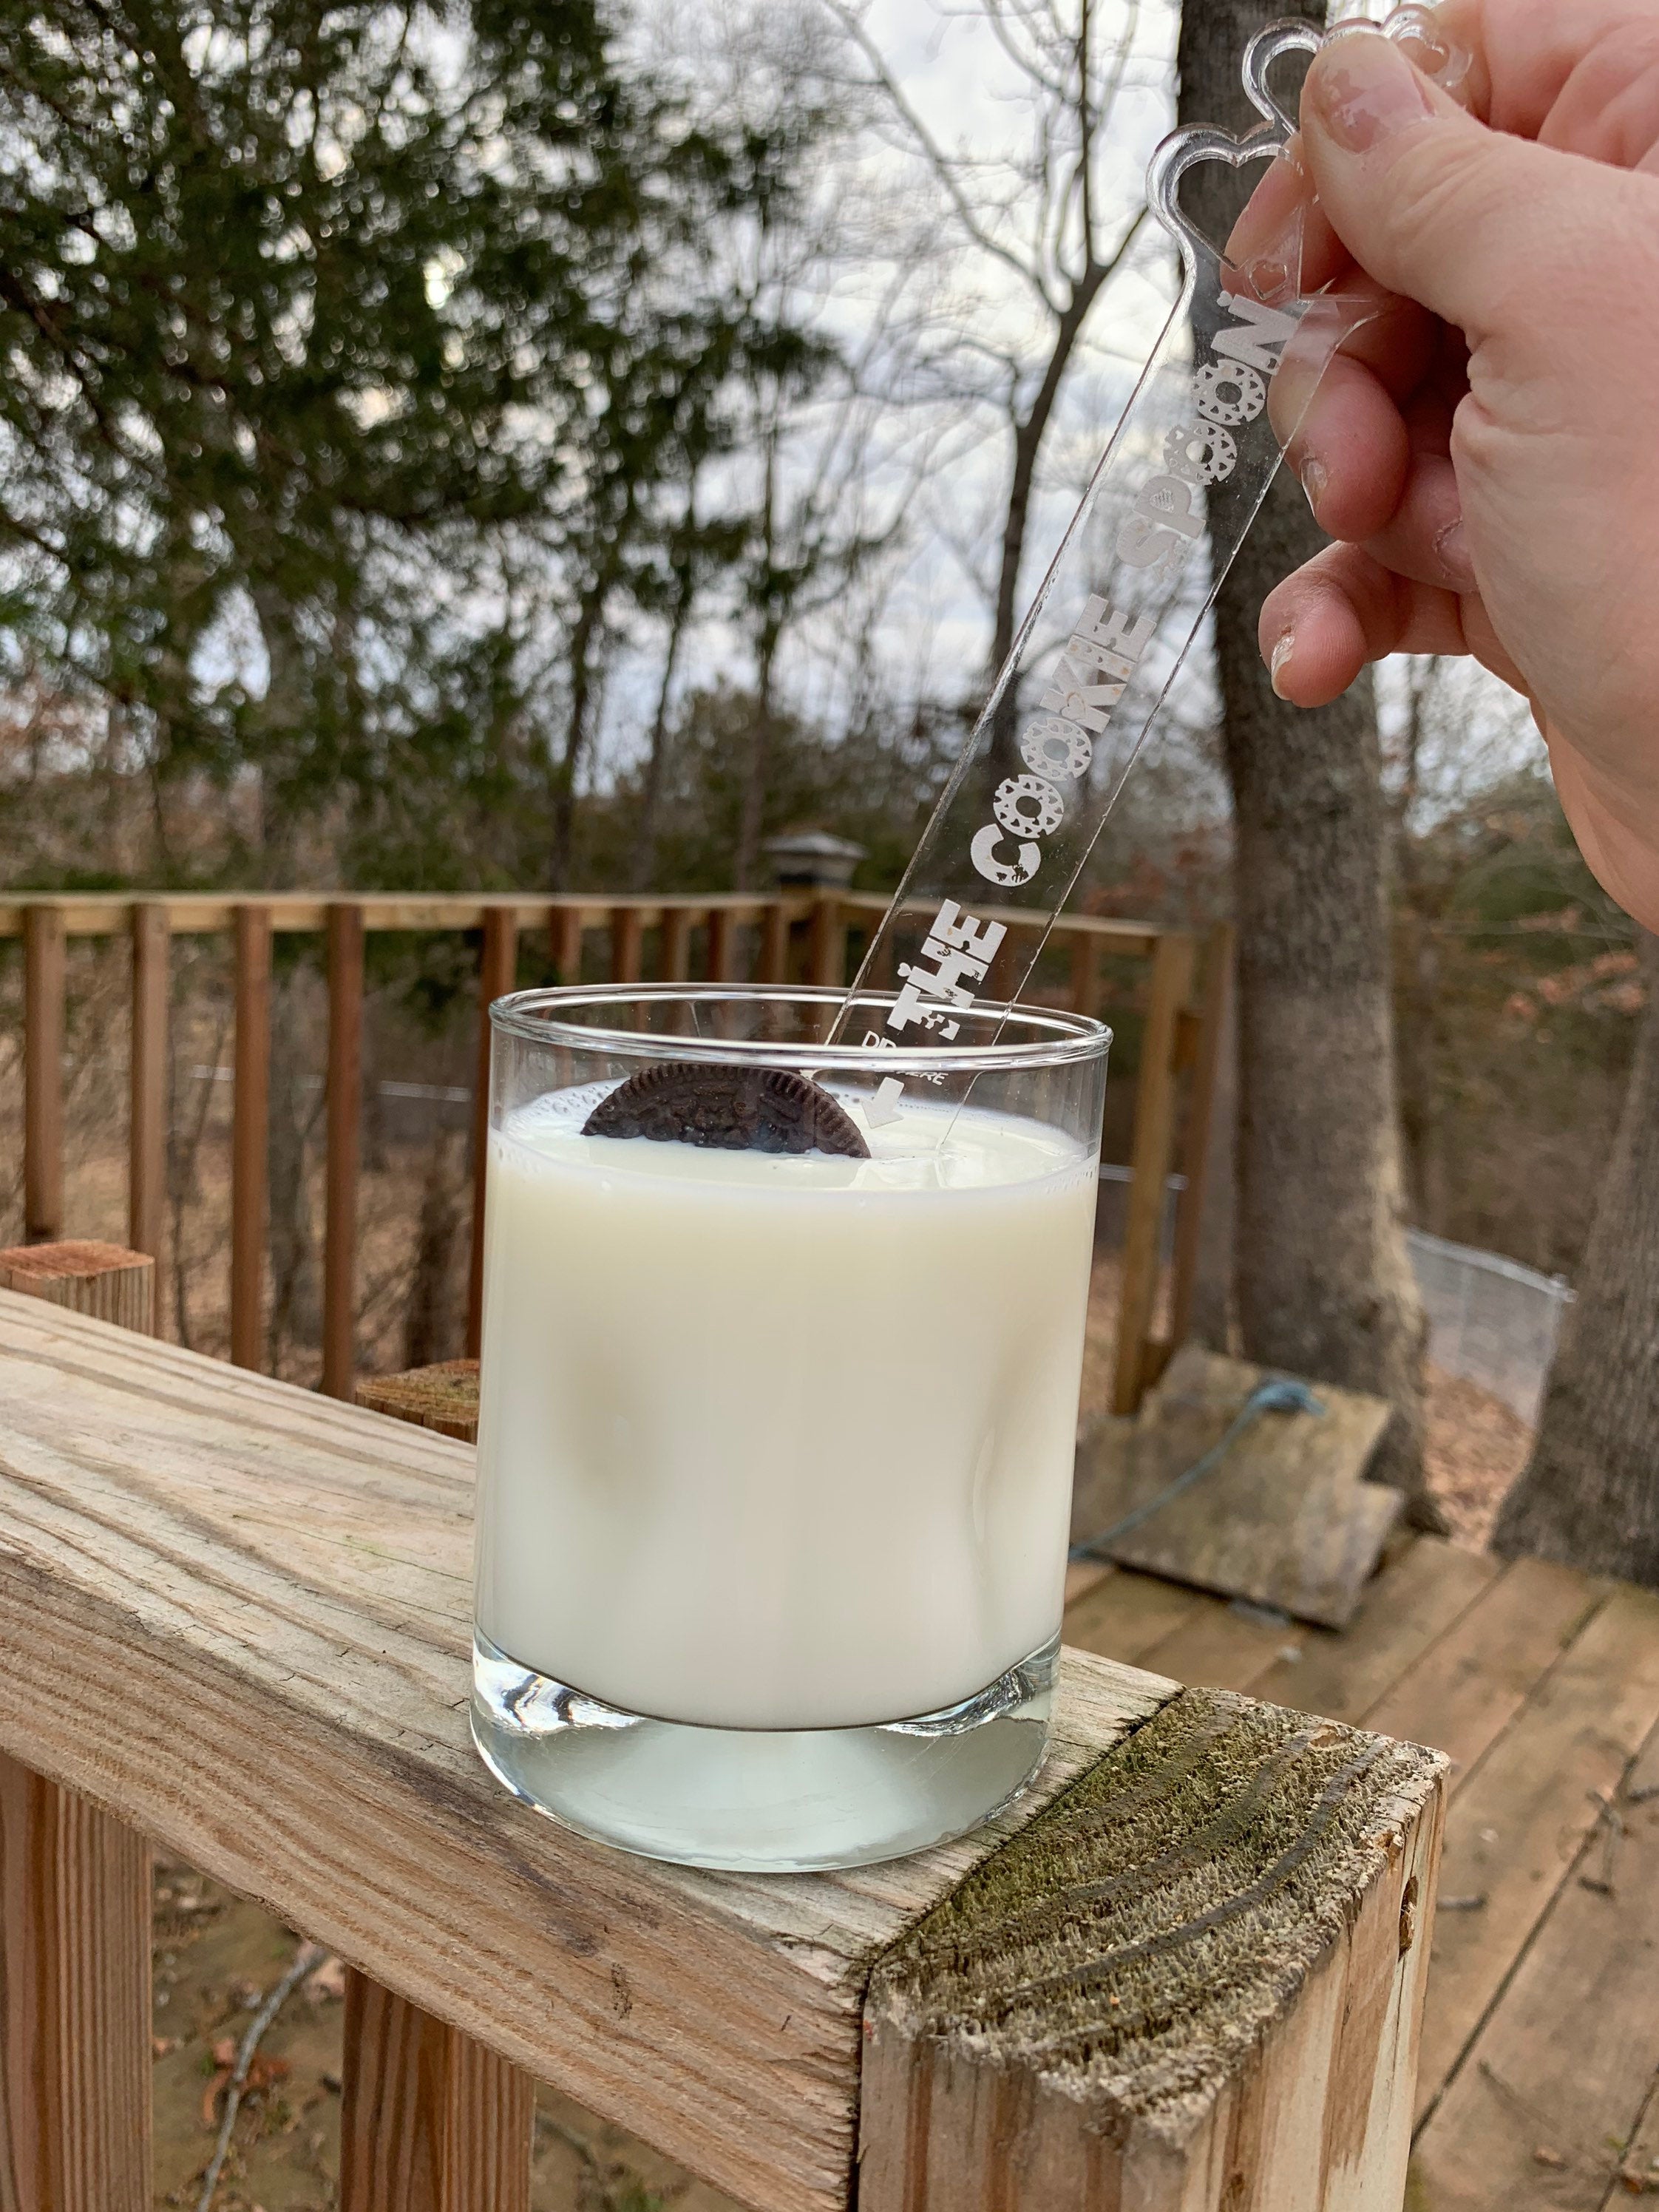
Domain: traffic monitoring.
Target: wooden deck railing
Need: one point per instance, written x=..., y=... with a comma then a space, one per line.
x=1184, y=1974
x=803, y=937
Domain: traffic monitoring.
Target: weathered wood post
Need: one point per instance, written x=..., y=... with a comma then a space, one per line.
x=147, y=1129
x=1154, y=1148
x=75, y=1904
x=43, y=992
x=1195, y=1983
x=498, y=960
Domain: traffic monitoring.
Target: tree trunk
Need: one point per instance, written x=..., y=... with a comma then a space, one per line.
x=645, y=841
x=1325, y=1286
x=564, y=771
x=757, y=772
x=1590, y=1495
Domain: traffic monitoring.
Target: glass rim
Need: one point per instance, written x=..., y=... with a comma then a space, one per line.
x=532, y=1016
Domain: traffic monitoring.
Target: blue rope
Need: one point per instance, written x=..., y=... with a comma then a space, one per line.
x=1279, y=1394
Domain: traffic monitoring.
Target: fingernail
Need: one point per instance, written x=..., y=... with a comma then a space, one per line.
x=1316, y=477
x=1363, y=90
x=1452, y=547
x=1282, y=653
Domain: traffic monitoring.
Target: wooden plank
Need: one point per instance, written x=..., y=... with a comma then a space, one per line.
x=75, y=2002
x=239, y=1613
x=147, y=1125
x=1517, y=1824
x=1103, y=2015
x=773, y=963
x=249, y=1130
x=627, y=941
x=1464, y=1691
x=1222, y=1647
x=1127, y=1615
x=826, y=944
x=1195, y=1133
x=74, y=1906
x=44, y=987
x=1113, y=935
x=1421, y=1591
x=345, y=1111
x=722, y=945
x=1566, y=2062
x=104, y=1280
x=444, y=1397
x=1284, y=1518
x=430, y=2120
x=498, y=963
x=1083, y=984
x=676, y=958
x=1150, y=1154
x=564, y=943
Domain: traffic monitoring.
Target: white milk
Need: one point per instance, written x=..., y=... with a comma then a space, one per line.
x=779, y=1442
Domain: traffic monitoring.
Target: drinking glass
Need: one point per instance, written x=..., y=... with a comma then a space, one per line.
x=776, y=1447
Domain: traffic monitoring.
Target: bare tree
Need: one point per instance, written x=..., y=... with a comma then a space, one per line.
x=1590, y=1495
x=1324, y=1283
x=1045, y=220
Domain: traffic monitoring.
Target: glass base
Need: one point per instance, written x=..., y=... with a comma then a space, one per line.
x=770, y=1800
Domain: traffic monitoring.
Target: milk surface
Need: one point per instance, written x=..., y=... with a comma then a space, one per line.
x=774, y=1441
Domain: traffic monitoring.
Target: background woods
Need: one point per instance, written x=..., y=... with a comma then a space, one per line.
x=562, y=448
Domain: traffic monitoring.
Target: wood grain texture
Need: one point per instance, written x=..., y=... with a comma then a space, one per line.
x=43, y=1073
x=1423, y=1588
x=1195, y=1983
x=444, y=1397
x=1195, y=1131
x=722, y=946
x=1127, y=1615
x=1151, y=1155
x=564, y=944
x=627, y=944
x=250, y=1132
x=106, y=1280
x=345, y=1110
x=498, y=963
x=74, y=1906
x=826, y=944
x=75, y=2064
x=431, y=2121
x=1285, y=1518
x=1471, y=1683
x=147, y=1122
x=772, y=965
x=674, y=964
x=1585, y=1986
x=1518, y=1822
x=238, y=1613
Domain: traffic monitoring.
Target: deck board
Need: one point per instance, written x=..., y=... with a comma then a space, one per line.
x=1543, y=2011
x=1127, y=1613
x=1469, y=1683
x=1222, y=1647
x=1416, y=1597
x=1516, y=1826
x=1566, y=2062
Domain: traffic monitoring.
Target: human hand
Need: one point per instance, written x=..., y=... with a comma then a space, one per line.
x=1487, y=450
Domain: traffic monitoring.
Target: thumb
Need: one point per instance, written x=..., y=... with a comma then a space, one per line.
x=1464, y=220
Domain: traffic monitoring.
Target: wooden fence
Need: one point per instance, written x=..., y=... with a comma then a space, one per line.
x=1185, y=1974
x=804, y=937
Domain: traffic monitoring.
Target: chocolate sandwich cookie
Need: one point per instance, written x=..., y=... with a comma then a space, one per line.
x=762, y=1110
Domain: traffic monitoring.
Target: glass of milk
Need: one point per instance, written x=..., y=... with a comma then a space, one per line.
x=776, y=1447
